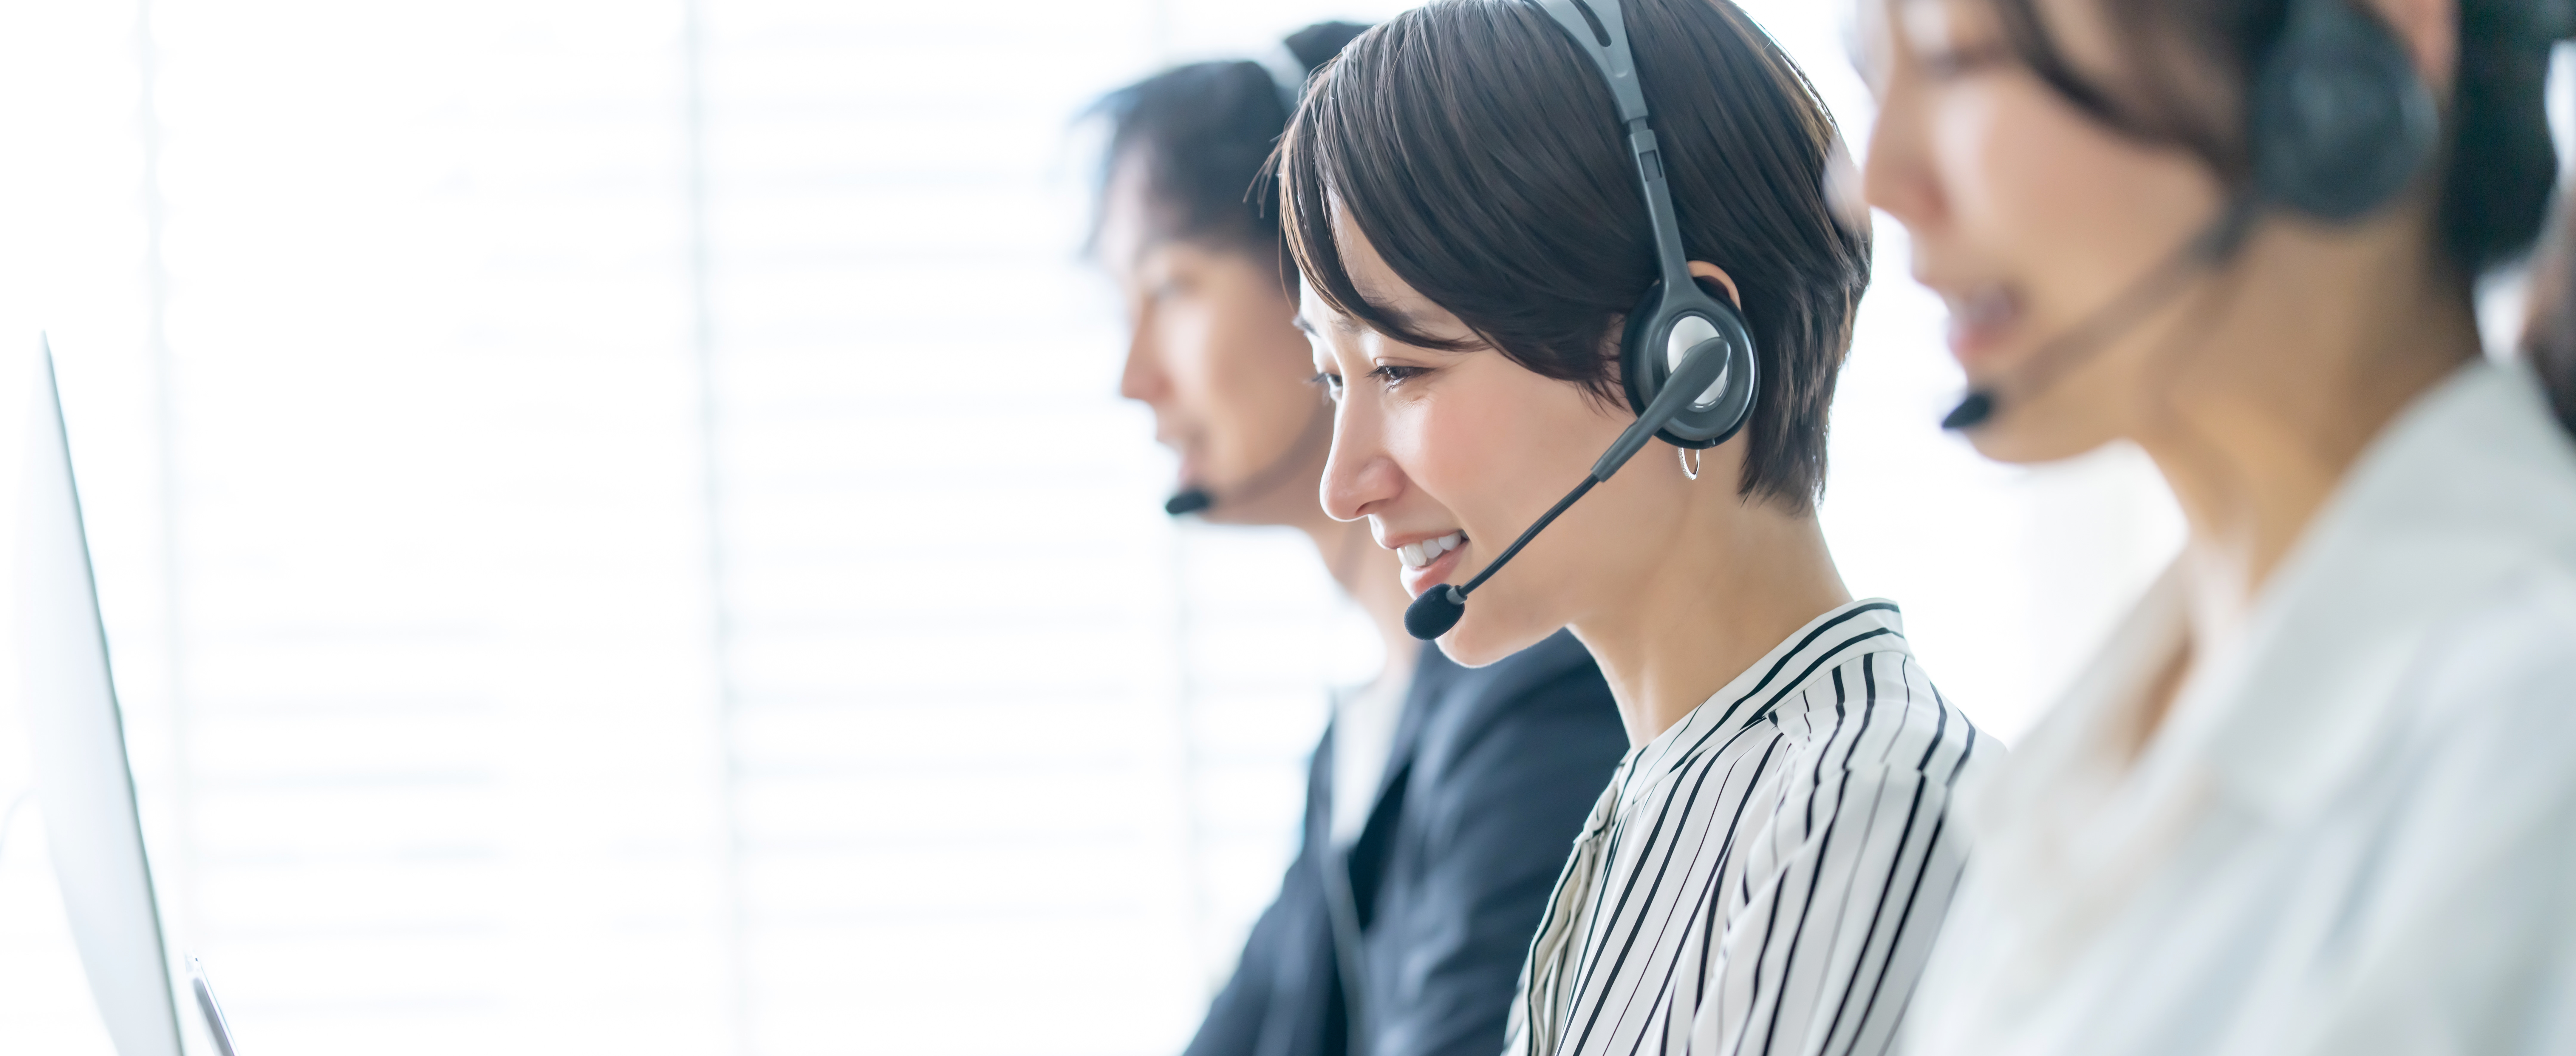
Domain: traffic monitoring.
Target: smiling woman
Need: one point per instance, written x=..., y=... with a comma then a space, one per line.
x=1767, y=870
x=1398, y=927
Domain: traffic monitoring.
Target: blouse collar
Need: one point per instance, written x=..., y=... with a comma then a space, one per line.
x=2472, y=485
x=2469, y=487
x=1850, y=629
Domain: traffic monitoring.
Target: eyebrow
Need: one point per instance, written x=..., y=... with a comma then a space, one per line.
x=1337, y=322
x=1408, y=320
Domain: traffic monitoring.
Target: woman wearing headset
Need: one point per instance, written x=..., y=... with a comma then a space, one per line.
x=1441, y=799
x=2318, y=795
x=1494, y=301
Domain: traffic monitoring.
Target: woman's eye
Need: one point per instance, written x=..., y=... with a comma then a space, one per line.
x=1330, y=382
x=1961, y=62
x=1394, y=374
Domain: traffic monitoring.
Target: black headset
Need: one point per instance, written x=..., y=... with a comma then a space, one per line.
x=2339, y=125
x=1678, y=318
x=1685, y=356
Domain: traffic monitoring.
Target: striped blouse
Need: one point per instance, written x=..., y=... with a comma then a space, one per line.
x=1766, y=876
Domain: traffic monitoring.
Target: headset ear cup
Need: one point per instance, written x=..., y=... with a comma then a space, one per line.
x=2340, y=122
x=1645, y=362
x=1641, y=372
x=1720, y=419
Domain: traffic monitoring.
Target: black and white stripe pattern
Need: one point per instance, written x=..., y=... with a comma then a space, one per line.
x=1768, y=875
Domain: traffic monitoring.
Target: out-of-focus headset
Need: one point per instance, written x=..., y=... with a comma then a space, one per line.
x=1288, y=74
x=2339, y=125
x=1685, y=356
x=2339, y=122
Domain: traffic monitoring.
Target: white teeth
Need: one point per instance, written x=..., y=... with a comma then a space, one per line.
x=1417, y=555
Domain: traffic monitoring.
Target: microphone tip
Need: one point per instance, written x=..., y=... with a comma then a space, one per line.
x=1188, y=502
x=1437, y=610
x=1971, y=412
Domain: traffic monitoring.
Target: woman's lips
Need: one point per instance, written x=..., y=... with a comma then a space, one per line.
x=1981, y=324
x=1193, y=466
x=1435, y=568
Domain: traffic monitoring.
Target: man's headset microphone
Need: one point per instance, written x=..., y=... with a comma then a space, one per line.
x=2340, y=126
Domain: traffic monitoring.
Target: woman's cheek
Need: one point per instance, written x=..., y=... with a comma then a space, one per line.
x=1416, y=441
x=2021, y=168
x=1453, y=447
x=1980, y=158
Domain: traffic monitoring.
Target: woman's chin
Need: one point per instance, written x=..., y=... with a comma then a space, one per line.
x=1475, y=644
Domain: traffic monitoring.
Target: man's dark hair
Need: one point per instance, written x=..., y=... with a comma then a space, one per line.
x=1482, y=155
x=1201, y=133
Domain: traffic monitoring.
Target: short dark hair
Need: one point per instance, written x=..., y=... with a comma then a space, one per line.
x=1201, y=132
x=1482, y=155
x=2498, y=166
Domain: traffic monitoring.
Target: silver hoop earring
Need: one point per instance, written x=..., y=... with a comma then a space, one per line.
x=1688, y=470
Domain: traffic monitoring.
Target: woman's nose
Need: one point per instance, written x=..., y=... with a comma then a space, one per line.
x=1358, y=474
x=1897, y=175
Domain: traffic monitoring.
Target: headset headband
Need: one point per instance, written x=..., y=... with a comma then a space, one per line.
x=1604, y=37
x=1606, y=42
x=1287, y=72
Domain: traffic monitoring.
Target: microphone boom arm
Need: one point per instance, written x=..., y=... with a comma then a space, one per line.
x=1440, y=607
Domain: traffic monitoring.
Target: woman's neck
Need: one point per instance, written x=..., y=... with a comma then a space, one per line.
x=2297, y=379
x=1367, y=573
x=1746, y=579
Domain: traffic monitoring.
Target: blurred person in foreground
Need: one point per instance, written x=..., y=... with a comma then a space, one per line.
x=2317, y=795
x=1442, y=799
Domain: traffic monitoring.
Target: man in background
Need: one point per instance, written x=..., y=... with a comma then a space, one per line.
x=1442, y=801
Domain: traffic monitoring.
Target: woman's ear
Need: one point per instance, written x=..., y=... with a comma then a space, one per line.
x=1701, y=269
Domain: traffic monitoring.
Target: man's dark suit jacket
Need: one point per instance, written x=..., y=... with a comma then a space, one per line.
x=1491, y=775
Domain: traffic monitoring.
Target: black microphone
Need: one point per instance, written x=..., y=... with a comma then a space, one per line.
x=1972, y=411
x=2208, y=249
x=1441, y=607
x=1188, y=501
